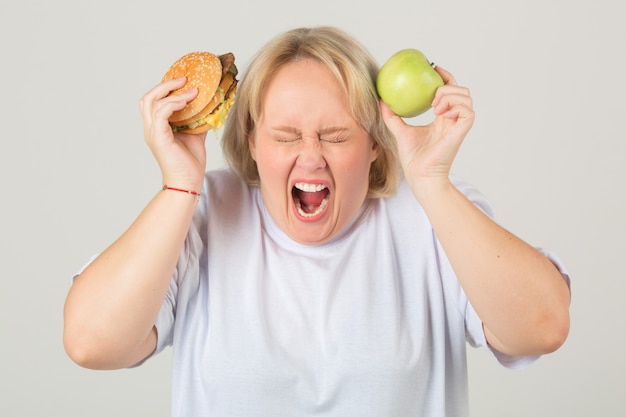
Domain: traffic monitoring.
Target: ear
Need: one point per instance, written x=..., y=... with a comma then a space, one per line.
x=374, y=153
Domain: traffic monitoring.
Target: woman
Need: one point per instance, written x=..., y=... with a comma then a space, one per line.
x=334, y=268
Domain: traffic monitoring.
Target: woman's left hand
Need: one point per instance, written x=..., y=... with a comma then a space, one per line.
x=427, y=152
x=519, y=295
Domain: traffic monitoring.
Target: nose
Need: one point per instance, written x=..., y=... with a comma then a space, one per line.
x=311, y=156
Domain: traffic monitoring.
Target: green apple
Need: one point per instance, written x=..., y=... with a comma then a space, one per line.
x=407, y=83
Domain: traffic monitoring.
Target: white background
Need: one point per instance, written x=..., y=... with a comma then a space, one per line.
x=547, y=148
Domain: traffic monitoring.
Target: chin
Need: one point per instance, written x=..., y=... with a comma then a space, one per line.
x=310, y=234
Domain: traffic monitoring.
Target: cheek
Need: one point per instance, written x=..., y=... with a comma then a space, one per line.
x=358, y=163
x=352, y=175
x=273, y=166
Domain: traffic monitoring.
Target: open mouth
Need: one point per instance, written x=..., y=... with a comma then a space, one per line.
x=310, y=199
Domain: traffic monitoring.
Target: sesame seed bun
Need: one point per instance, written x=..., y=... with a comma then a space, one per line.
x=214, y=77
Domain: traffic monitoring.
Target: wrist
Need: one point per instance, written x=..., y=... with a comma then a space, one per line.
x=182, y=183
x=431, y=189
x=193, y=193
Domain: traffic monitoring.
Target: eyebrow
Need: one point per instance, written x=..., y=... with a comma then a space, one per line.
x=332, y=129
x=286, y=129
x=324, y=131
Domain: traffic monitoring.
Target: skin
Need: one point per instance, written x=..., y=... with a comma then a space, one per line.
x=297, y=140
x=518, y=293
x=111, y=308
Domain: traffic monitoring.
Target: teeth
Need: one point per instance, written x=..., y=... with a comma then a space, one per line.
x=309, y=188
x=316, y=212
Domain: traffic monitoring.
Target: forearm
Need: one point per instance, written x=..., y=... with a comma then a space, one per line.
x=112, y=306
x=518, y=293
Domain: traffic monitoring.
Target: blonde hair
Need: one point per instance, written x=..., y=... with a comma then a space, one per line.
x=356, y=71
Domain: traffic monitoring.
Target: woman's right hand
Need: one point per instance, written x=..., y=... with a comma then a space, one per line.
x=181, y=156
x=112, y=306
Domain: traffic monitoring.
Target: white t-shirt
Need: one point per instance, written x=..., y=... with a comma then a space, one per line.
x=373, y=323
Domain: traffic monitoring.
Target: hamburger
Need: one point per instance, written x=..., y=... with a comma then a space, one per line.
x=215, y=78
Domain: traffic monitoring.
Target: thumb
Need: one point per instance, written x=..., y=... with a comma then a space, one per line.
x=394, y=122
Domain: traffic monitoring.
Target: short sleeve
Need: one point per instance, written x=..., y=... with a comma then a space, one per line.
x=184, y=280
x=165, y=320
x=82, y=268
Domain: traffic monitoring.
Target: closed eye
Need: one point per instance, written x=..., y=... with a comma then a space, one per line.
x=286, y=134
x=334, y=135
x=334, y=139
x=286, y=139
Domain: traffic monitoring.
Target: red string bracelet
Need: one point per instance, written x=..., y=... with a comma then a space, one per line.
x=193, y=193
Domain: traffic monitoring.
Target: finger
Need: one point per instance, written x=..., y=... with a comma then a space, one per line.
x=460, y=115
x=169, y=104
x=392, y=120
x=449, y=91
x=164, y=88
x=159, y=111
x=446, y=76
x=449, y=101
x=160, y=91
